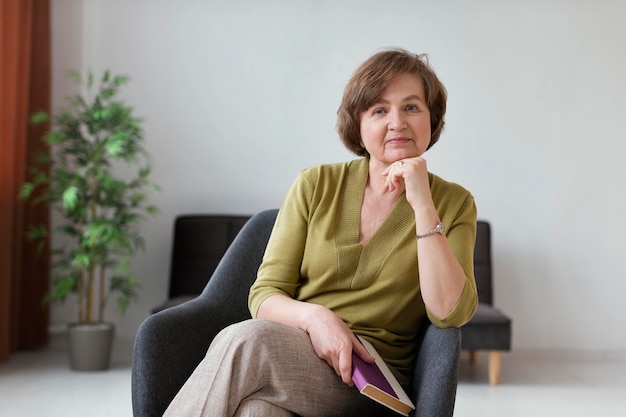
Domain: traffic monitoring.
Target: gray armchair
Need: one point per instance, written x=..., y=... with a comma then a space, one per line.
x=171, y=343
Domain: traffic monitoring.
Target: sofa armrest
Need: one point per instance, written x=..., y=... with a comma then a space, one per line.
x=436, y=372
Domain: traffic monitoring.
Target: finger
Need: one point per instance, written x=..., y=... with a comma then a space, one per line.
x=361, y=352
x=332, y=362
x=388, y=184
x=345, y=366
x=389, y=168
x=392, y=179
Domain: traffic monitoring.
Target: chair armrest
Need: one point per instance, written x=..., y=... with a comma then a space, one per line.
x=436, y=372
x=170, y=344
x=168, y=347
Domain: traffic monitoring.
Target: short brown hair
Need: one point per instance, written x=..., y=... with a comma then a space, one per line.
x=370, y=80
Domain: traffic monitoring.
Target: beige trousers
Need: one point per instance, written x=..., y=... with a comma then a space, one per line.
x=263, y=368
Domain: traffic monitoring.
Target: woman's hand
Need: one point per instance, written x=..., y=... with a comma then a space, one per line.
x=442, y=278
x=334, y=342
x=410, y=174
x=331, y=338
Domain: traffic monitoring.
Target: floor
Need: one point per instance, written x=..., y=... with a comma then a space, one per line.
x=39, y=383
x=542, y=385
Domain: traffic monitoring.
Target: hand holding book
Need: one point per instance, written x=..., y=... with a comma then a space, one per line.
x=376, y=381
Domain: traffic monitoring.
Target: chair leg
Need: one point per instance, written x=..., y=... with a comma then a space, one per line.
x=495, y=360
x=473, y=356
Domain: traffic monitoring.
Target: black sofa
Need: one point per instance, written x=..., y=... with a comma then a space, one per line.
x=490, y=328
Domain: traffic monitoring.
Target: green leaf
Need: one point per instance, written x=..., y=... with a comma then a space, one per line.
x=41, y=245
x=26, y=190
x=144, y=172
x=53, y=137
x=121, y=79
x=139, y=243
x=74, y=75
x=102, y=114
x=99, y=233
x=127, y=287
x=124, y=265
x=81, y=260
x=63, y=286
x=116, y=144
x=39, y=117
x=36, y=232
x=137, y=198
x=70, y=197
x=153, y=186
x=108, y=93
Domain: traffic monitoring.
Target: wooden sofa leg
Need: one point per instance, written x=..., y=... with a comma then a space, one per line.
x=495, y=360
x=473, y=356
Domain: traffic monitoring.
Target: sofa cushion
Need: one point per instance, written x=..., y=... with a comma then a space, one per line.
x=489, y=329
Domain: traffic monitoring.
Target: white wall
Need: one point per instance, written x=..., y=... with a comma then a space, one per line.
x=239, y=97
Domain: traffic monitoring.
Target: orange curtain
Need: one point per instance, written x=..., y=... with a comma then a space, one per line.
x=24, y=88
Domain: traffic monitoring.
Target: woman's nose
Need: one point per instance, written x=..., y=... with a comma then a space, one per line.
x=396, y=121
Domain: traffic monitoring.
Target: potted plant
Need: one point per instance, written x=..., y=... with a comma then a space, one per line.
x=96, y=177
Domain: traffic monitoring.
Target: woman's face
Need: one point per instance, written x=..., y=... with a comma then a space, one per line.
x=398, y=125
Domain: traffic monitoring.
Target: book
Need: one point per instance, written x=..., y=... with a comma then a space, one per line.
x=376, y=381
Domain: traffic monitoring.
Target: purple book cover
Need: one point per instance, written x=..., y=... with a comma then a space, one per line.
x=364, y=373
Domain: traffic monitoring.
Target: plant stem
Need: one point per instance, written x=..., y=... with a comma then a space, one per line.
x=89, y=319
x=80, y=280
x=102, y=294
x=92, y=266
x=79, y=291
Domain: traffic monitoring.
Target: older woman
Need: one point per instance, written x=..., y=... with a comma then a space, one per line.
x=366, y=247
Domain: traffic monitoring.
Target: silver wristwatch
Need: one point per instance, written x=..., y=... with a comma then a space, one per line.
x=440, y=228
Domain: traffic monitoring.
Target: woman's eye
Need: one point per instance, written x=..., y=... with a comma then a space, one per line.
x=412, y=107
x=378, y=111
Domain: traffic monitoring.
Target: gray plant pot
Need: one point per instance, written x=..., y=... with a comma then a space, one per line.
x=90, y=346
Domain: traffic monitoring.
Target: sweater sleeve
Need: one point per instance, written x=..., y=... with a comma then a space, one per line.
x=461, y=235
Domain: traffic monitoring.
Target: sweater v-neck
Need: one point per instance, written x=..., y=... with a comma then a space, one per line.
x=362, y=261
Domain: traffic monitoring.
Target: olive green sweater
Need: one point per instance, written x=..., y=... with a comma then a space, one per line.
x=314, y=255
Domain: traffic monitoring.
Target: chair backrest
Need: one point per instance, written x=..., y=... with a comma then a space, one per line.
x=482, y=262
x=200, y=241
x=235, y=274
